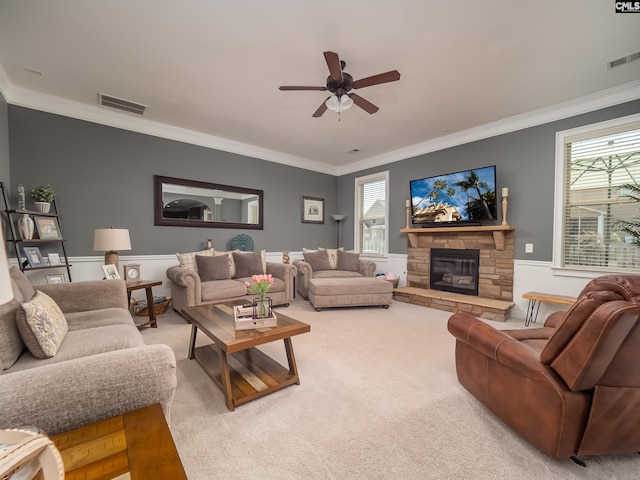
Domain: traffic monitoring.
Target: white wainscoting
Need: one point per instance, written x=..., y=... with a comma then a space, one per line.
x=529, y=276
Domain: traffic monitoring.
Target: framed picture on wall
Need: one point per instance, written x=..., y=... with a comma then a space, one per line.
x=312, y=210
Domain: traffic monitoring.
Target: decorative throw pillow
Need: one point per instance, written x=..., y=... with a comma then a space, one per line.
x=318, y=260
x=348, y=261
x=212, y=268
x=42, y=325
x=331, y=252
x=248, y=264
x=188, y=260
x=229, y=256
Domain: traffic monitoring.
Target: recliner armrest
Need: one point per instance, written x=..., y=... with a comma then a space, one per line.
x=495, y=344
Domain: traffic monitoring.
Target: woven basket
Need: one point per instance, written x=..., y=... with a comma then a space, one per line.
x=159, y=308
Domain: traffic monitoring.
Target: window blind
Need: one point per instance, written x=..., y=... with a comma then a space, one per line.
x=372, y=213
x=596, y=170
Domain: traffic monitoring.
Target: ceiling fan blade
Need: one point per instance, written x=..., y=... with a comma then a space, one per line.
x=321, y=109
x=391, y=76
x=366, y=105
x=286, y=87
x=333, y=62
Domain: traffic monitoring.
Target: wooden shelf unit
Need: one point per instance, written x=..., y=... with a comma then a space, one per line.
x=18, y=242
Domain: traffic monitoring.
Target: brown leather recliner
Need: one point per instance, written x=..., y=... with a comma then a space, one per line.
x=571, y=387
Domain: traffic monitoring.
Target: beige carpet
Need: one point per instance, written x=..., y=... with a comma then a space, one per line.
x=378, y=399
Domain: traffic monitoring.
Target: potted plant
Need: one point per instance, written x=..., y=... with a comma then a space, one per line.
x=43, y=195
x=632, y=226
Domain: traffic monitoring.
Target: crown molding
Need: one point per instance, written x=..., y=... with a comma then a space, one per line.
x=605, y=98
x=95, y=114
x=59, y=106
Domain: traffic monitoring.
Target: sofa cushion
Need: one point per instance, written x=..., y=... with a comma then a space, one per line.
x=87, y=342
x=22, y=282
x=222, y=289
x=188, y=260
x=213, y=268
x=11, y=344
x=248, y=264
x=319, y=260
x=348, y=261
x=42, y=325
x=336, y=274
x=98, y=318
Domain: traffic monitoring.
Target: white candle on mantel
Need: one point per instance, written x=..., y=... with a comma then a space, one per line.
x=408, y=203
x=505, y=192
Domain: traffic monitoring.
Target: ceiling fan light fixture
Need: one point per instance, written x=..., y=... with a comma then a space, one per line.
x=333, y=103
x=345, y=102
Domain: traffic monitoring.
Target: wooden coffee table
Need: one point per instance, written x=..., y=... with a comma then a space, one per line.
x=240, y=370
x=136, y=445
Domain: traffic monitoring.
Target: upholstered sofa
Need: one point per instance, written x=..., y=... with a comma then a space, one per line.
x=100, y=367
x=329, y=263
x=571, y=387
x=211, y=276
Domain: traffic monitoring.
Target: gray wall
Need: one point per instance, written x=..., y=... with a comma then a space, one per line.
x=103, y=177
x=4, y=141
x=525, y=162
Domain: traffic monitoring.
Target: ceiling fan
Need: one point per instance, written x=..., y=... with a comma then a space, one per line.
x=340, y=83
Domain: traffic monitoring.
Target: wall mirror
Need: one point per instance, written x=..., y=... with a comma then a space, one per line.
x=192, y=203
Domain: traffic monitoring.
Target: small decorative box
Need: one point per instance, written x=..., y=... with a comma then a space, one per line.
x=243, y=317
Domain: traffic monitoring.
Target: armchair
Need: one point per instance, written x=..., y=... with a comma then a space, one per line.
x=306, y=272
x=571, y=387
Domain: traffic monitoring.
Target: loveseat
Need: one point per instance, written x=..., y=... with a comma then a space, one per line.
x=95, y=363
x=571, y=387
x=329, y=263
x=211, y=276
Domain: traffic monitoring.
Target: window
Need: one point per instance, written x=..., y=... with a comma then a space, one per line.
x=592, y=166
x=371, y=214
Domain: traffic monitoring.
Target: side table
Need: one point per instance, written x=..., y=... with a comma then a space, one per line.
x=147, y=285
x=136, y=445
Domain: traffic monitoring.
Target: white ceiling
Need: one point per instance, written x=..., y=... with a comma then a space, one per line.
x=212, y=68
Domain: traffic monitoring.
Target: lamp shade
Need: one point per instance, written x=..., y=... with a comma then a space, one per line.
x=6, y=293
x=338, y=218
x=108, y=239
x=345, y=102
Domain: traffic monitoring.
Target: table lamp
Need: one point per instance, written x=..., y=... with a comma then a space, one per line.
x=109, y=240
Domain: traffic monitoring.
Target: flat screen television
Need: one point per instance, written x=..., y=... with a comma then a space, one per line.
x=465, y=198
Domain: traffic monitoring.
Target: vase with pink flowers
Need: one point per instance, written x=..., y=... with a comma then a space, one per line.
x=259, y=285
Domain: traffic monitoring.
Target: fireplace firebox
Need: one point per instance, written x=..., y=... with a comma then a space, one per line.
x=454, y=270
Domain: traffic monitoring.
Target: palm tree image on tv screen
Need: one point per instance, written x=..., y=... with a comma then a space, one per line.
x=466, y=197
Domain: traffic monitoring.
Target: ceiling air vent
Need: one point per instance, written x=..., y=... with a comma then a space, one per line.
x=121, y=104
x=622, y=60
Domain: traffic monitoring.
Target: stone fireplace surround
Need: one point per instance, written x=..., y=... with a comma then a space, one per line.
x=495, y=287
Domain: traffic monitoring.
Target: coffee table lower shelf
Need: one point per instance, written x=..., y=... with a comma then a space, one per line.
x=252, y=374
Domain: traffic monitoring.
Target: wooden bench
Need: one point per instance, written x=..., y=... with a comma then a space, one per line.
x=535, y=298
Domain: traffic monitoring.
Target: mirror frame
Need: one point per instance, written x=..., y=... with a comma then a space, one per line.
x=158, y=204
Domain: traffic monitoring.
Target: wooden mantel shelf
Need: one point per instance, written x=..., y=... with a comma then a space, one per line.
x=498, y=232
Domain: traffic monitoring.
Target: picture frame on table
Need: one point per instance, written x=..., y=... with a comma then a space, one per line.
x=55, y=278
x=110, y=272
x=34, y=257
x=312, y=210
x=47, y=228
